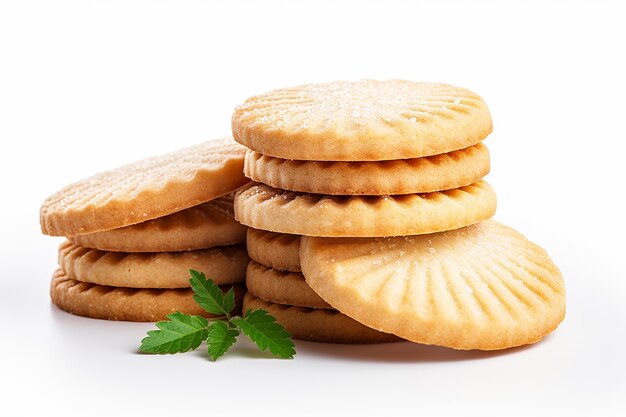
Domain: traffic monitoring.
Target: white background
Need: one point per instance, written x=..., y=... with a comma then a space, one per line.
x=86, y=86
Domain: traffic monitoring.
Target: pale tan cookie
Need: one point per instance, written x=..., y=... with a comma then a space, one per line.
x=277, y=250
x=366, y=120
x=204, y=226
x=127, y=304
x=404, y=176
x=319, y=325
x=281, y=287
x=263, y=207
x=224, y=265
x=482, y=287
x=145, y=190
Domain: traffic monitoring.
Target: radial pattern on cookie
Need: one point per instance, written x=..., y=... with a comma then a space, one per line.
x=366, y=120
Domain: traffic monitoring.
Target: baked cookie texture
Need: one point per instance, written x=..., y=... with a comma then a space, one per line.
x=277, y=250
x=319, y=325
x=402, y=176
x=204, y=226
x=484, y=286
x=126, y=304
x=224, y=265
x=366, y=120
x=263, y=207
x=146, y=189
x=281, y=287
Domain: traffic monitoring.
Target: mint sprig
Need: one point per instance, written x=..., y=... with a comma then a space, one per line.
x=183, y=332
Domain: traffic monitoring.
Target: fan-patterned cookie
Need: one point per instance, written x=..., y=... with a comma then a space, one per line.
x=263, y=207
x=366, y=120
x=481, y=287
x=145, y=190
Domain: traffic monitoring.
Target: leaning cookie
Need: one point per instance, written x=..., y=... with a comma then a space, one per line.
x=145, y=190
x=480, y=287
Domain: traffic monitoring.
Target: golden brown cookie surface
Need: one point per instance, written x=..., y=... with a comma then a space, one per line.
x=276, y=250
x=280, y=287
x=126, y=304
x=224, y=265
x=319, y=325
x=204, y=226
x=263, y=207
x=404, y=176
x=367, y=120
x=144, y=190
x=481, y=287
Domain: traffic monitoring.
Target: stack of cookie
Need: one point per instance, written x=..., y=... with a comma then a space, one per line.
x=369, y=219
x=134, y=232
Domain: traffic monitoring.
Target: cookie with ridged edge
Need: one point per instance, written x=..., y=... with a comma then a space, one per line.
x=319, y=325
x=145, y=190
x=263, y=207
x=402, y=176
x=481, y=287
x=224, y=265
x=281, y=287
x=204, y=226
x=277, y=250
x=127, y=304
x=366, y=120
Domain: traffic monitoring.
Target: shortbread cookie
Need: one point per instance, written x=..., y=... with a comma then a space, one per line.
x=276, y=250
x=128, y=304
x=319, y=325
x=281, y=287
x=404, y=176
x=224, y=265
x=366, y=120
x=145, y=190
x=263, y=207
x=204, y=226
x=481, y=287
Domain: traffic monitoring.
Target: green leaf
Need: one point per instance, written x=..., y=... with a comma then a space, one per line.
x=229, y=300
x=207, y=294
x=262, y=329
x=220, y=338
x=181, y=333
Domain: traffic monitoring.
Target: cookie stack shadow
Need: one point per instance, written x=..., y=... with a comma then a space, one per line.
x=123, y=269
x=367, y=199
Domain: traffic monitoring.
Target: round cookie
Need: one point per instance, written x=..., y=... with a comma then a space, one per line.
x=277, y=250
x=263, y=207
x=224, y=265
x=127, y=304
x=404, y=176
x=367, y=120
x=481, y=287
x=319, y=325
x=145, y=190
x=280, y=287
x=204, y=226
